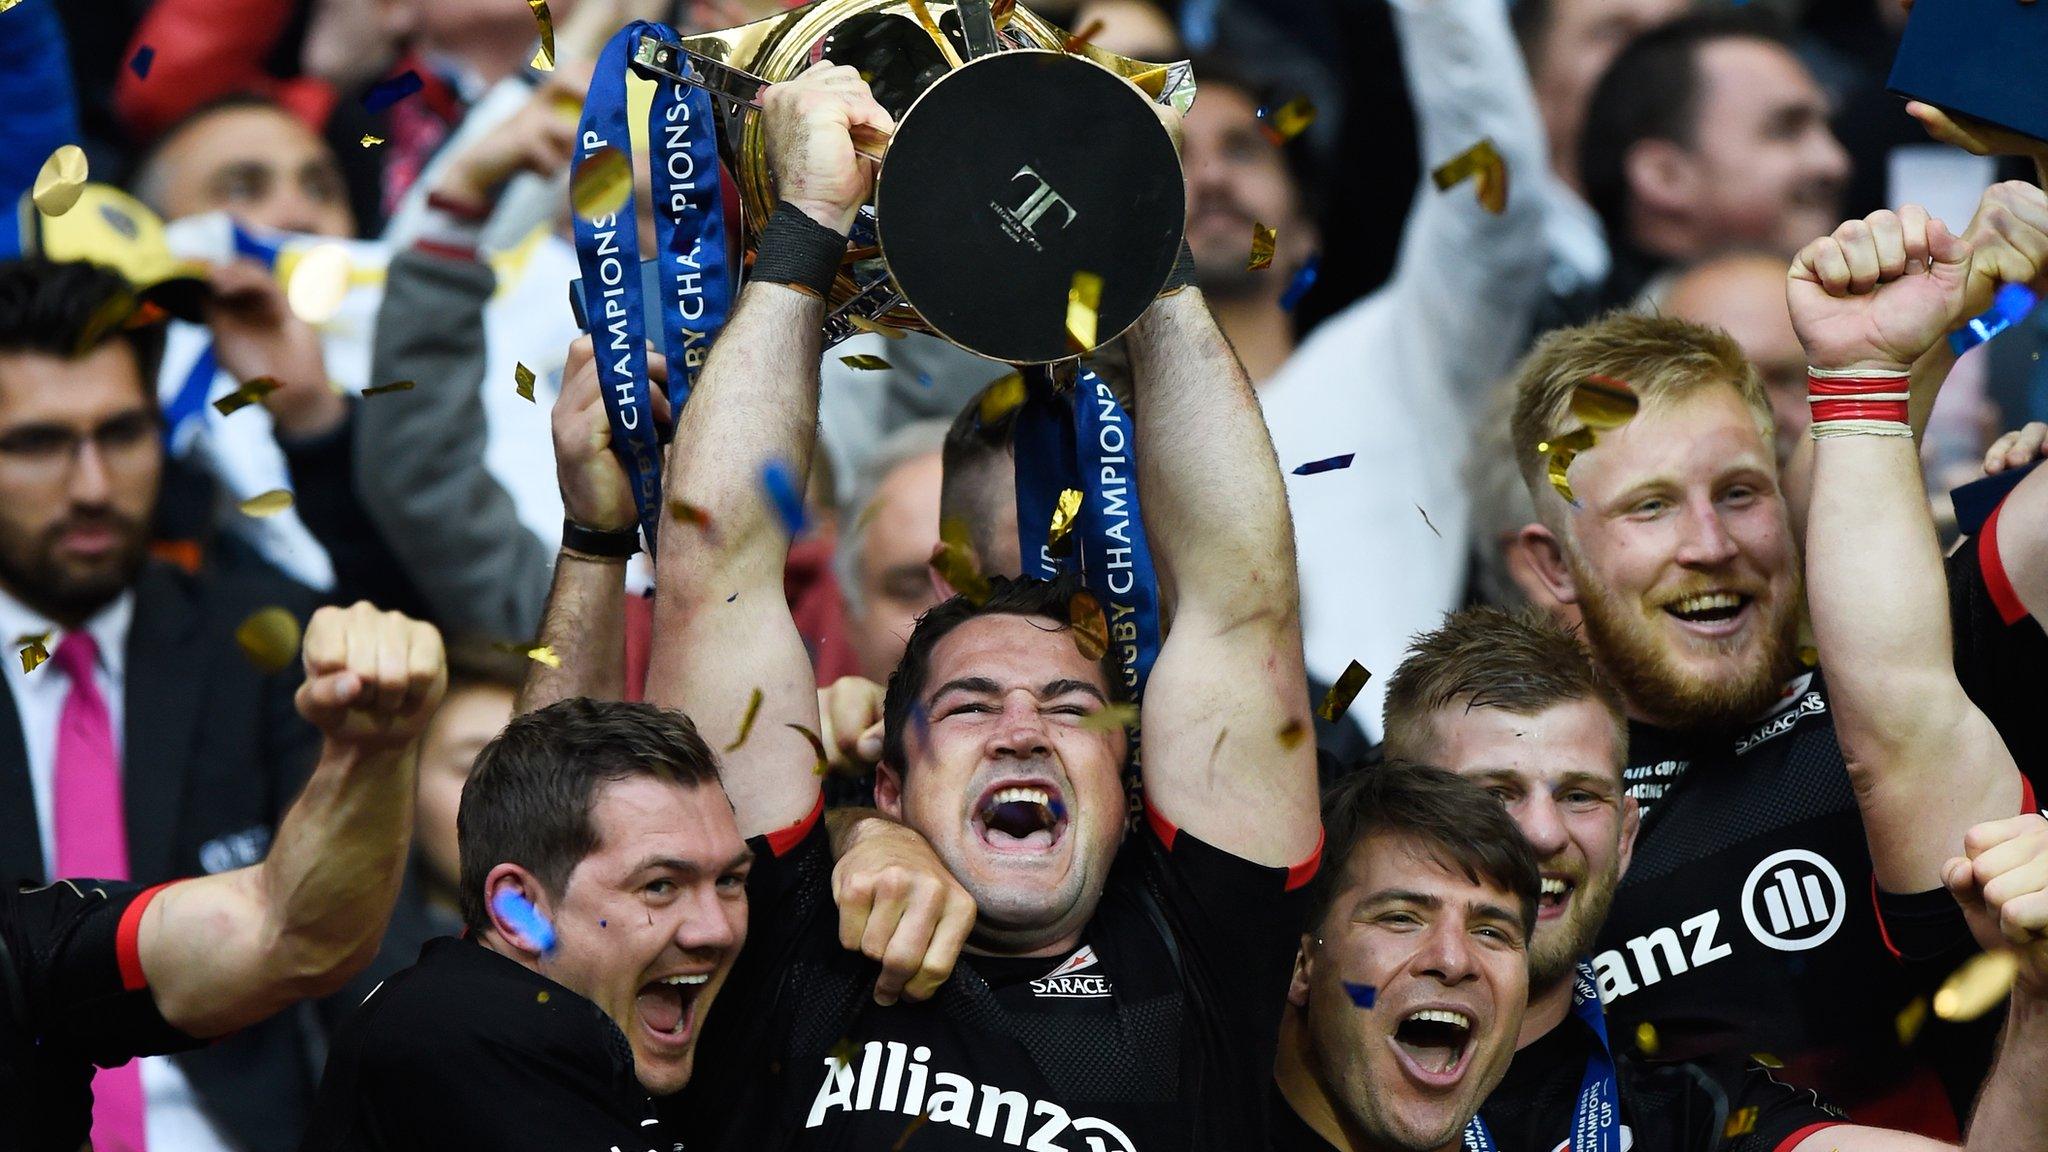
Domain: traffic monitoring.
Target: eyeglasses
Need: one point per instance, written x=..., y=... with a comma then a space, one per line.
x=44, y=452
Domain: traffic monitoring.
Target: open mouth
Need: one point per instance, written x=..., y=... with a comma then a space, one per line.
x=1709, y=609
x=667, y=1006
x=1021, y=818
x=1434, y=1043
x=1557, y=892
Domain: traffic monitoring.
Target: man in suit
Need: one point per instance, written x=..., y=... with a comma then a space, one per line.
x=147, y=746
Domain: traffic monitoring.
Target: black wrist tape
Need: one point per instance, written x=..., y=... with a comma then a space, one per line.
x=798, y=251
x=611, y=543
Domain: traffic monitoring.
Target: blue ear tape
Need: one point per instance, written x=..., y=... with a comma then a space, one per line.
x=516, y=910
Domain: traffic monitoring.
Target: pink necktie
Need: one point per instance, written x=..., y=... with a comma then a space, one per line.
x=92, y=843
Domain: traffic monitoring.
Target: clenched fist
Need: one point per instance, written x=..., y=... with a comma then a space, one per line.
x=811, y=124
x=373, y=678
x=2001, y=881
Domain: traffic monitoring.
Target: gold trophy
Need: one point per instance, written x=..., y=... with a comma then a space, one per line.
x=1019, y=160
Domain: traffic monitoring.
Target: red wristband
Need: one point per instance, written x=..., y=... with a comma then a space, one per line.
x=1843, y=397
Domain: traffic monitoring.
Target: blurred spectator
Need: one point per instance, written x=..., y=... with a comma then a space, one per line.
x=1395, y=381
x=482, y=682
x=247, y=156
x=1504, y=568
x=1707, y=134
x=887, y=535
x=1743, y=294
x=149, y=746
x=1139, y=29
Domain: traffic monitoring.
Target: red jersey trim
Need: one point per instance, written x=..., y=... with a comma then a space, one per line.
x=782, y=840
x=2027, y=804
x=1996, y=581
x=1297, y=875
x=128, y=940
x=1792, y=1141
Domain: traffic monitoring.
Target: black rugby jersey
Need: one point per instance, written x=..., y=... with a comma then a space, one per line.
x=470, y=1051
x=72, y=995
x=1156, y=1033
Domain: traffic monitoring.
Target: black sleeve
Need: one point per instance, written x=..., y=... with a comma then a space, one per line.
x=1235, y=927
x=74, y=960
x=2000, y=653
x=1927, y=932
x=323, y=480
x=1766, y=1114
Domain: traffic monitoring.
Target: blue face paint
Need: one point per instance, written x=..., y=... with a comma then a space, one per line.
x=518, y=912
x=1331, y=464
x=1362, y=995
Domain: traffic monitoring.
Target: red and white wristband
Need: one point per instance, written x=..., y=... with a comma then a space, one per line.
x=1851, y=402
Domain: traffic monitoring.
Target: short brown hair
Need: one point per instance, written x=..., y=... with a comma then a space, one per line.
x=529, y=798
x=1660, y=357
x=1520, y=662
x=1458, y=820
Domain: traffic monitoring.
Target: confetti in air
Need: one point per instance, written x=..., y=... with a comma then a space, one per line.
x=1302, y=282
x=34, y=650
x=602, y=184
x=1343, y=692
x=318, y=283
x=370, y=141
x=1977, y=987
x=1603, y=403
x=1109, y=717
x=1000, y=399
x=1090, y=626
x=1741, y=1123
x=1362, y=995
x=1329, y=464
x=1063, y=513
x=269, y=637
x=781, y=487
x=1910, y=1020
x=61, y=181
x=522, y=381
x=882, y=330
x=1287, y=121
x=955, y=561
x=266, y=503
x=249, y=393
x=386, y=389
x=1481, y=161
x=543, y=55
x=747, y=720
x=1559, y=457
x=1084, y=300
x=824, y=762
x=140, y=62
x=1263, y=241
x=910, y=1129
x=2009, y=306
x=385, y=93
x=865, y=363
x=1646, y=1039
x=538, y=653
x=517, y=911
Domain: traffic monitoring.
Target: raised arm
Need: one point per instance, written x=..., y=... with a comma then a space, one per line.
x=2003, y=888
x=723, y=636
x=224, y=951
x=1229, y=678
x=1926, y=763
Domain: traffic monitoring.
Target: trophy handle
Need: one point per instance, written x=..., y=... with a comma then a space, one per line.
x=977, y=26
x=738, y=90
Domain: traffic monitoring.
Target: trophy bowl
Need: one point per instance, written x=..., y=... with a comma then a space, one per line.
x=1016, y=164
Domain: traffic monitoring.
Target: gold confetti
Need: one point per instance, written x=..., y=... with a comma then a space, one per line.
x=1343, y=692
x=1079, y=40
x=1603, y=403
x=1263, y=241
x=916, y=1122
x=956, y=562
x=112, y=314
x=319, y=283
x=689, y=514
x=931, y=28
x=1646, y=1038
x=1977, y=987
x=602, y=183
x=541, y=997
x=34, y=650
x=882, y=330
x=824, y=762
x=522, y=381
x=1809, y=657
x=269, y=637
x=61, y=180
x=543, y=56
x=1560, y=456
x=865, y=363
x=1482, y=160
x=1290, y=734
x=847, y=1053
x=1767, y=1060
x=1109, y=717
x=252, y=392
x=1001, y=398
x=1084, y=298
x=266, y=503
x=369, y=141
x=1910, y=1020
x=1063, y=514
x=1742, y=1123
x=747, y=721
x=1091, y=627
x=1289, y=120
x=394, y=386
x=538, y=653
x=6, y=4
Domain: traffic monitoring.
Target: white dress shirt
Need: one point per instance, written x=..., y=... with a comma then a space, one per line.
x=171, y=1116
x=1398, y=376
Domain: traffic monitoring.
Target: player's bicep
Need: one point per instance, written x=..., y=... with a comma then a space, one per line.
x=1229, y=750
x=739, y=669
x=204, y=949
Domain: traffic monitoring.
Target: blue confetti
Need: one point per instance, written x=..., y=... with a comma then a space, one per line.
x=604, y=924
x=924, y=379
x=140, y=62
x=782, y=492
x=2009, y=307
x=384, y=93
x=1302, y=282
x=1361, y=994
x=516, y=910
x=1331, y=464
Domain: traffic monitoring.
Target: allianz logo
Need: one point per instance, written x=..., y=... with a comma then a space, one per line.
x=1793, y=901
x=1811, y=704
x=889, y=1076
